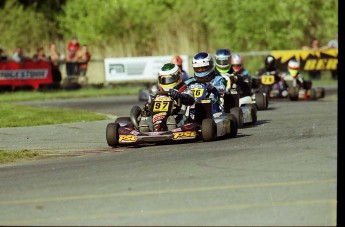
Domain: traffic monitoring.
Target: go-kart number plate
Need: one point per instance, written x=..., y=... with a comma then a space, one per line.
x=267, y=79
x=127, y=138
x=197, y=92
x=161, y=106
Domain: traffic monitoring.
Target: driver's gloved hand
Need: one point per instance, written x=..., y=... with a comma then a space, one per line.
x=174, y=94
x=209, y=87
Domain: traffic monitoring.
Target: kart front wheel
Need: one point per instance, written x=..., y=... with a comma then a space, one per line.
x=112, y=134
x=208, y=130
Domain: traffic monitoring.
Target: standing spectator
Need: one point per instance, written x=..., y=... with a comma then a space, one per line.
x=315, y=74
x=3, y=57
x=333, y=44
x=71, y=58
x=54, y=58
x=18, y=55
x=40, y=55
x=83, y=57
x=177, y=60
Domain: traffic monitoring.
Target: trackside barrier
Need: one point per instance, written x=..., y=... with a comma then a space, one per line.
x=27, y=73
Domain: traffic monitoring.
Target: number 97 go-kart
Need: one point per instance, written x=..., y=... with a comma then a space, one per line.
x=130, y=131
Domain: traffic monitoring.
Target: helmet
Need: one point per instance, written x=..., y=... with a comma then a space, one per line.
x=169, y=76
x=237, y=62
x=203, y=67
x=293, y=67
x=223, y=60
x=177, y=60
x=270, y=62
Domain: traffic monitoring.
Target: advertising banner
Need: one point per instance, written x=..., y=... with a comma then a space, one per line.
x=137, y=68
x=324, y=60
x=28, y=73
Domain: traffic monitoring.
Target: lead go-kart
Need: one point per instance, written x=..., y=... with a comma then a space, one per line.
x=203, y=126
x=297, y=92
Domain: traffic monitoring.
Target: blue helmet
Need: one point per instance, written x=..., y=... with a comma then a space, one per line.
x=223, y=60
x=203, y=67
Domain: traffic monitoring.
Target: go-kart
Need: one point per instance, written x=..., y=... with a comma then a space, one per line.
x=305, y=92
x=159, y=125
x=267, y=83
x=244, y=109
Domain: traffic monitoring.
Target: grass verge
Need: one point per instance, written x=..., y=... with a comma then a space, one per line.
x=15, y=115
x=16, y=156
x=67, y=94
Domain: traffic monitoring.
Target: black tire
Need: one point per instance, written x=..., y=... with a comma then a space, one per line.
x=261, y=101
x=112, y=134
x=238, y=114
x=312, y=94
x=208, y=130
x=322, y=95
x=293, y=93
x=233, y=126
x=254, y=113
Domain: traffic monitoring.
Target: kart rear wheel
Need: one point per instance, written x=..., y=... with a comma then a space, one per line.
x=233, y=126
x=312, y=94
x=208, y=130
x=293, y=93
x=238, y=114
x=254, y=113
x=261, y=101
x=112, y=134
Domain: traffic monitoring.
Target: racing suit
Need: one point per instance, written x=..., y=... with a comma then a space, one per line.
x=217, y=87
x=277, y=78
x=244, y=83
x=179, y=115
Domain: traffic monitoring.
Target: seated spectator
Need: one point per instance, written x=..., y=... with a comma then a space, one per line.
x=83, y=57
x=3, y=56
x=40, y=55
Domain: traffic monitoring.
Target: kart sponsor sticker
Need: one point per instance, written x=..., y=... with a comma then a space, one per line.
x=163, y=98
x=267, y=79
x=184, y=135
x=127, y=138
x=161, y=106
x=197, y=92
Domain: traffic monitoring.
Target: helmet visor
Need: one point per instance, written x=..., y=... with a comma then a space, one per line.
x=223, y=62
x=202, y=69
x=293, y=72
x=237, y=67
x=169, y=79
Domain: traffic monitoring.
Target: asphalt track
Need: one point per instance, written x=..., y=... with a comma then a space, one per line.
x=281, y=171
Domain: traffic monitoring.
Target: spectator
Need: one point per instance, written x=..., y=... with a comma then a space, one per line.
x=83, y=57
x=19, y=56
x=40, y=55
x=54, y=58
x=333, y=44
x=73, y=47
x=177, y=60
x=3, y=56
x=315, y=74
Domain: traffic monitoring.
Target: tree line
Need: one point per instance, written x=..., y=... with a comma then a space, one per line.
x=124, y=28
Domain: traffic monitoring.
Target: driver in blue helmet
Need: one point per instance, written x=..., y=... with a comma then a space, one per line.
x=205, y=73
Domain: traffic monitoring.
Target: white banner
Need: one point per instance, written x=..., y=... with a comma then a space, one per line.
x=137, y=68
